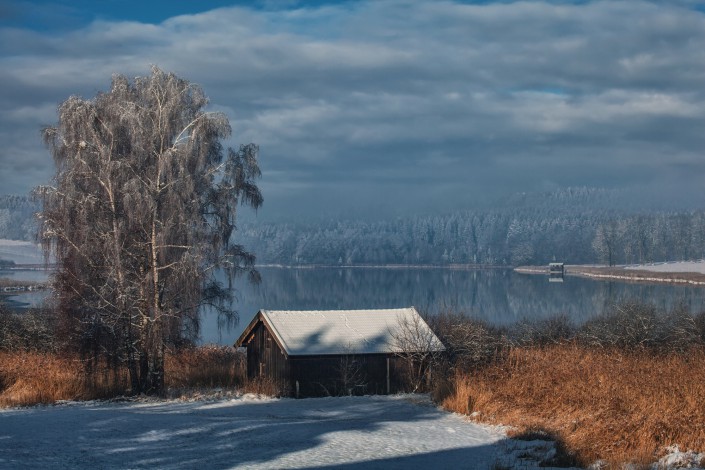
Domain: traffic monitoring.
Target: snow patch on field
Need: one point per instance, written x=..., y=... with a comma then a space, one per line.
x=251, y=432
x=679, y=459
x=672, y=267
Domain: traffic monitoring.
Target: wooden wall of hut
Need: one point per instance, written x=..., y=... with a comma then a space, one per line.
x=265, y=357
x=347, y=374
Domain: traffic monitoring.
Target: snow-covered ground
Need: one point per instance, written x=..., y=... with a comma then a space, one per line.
x=20, y=252
x=672, y=267
x=247, y=432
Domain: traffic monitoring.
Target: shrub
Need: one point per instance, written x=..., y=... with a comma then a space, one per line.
x=29, y=330
x=633, y=325
x=699, y=321
x=469, y=342
x=554, y=330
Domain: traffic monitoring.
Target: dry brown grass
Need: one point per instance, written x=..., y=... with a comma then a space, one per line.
x=30, y=378
x=267, y=386
x=611, y=405
x=207, y=366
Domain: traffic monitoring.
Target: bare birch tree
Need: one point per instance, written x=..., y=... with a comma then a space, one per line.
x=140, y=217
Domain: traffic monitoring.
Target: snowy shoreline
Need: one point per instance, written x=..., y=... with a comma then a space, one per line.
x=683, y=272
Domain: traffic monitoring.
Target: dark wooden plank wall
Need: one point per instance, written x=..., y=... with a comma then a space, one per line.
x=346, y=374
x=264, y=357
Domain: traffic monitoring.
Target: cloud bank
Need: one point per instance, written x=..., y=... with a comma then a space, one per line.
x=373, y=107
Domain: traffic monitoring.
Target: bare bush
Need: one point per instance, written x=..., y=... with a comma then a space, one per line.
x=642, y=326
x=630, y=325
x=30, y=330
x=419, y=347
x=352, y=378
x=469, y=342
x=679, y=331
x=699, y=321
x=553, y=330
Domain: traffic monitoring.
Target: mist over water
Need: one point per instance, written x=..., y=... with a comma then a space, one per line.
x=499, y=296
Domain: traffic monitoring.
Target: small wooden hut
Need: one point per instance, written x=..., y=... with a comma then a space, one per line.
x=336, y=352
x=556, y=269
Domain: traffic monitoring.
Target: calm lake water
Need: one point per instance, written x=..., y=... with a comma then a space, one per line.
x=499, y=296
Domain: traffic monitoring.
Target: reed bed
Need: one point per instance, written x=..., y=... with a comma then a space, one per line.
x=205, y=367
x=30, y=378
x=611, y=405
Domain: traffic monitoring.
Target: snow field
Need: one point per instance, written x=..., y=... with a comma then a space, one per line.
x=362, y=432
x=672, y=267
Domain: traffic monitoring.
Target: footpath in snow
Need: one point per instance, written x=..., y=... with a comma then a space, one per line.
x=352, y=432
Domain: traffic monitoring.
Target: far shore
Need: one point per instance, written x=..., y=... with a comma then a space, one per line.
x=385, y=266
x=667, y=273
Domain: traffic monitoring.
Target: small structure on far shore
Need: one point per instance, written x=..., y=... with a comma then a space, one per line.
x=556, y=269
x=556, y=272
x=337, y=352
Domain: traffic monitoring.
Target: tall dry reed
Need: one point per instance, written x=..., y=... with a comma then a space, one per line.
x=30, y=378
x=206, y=366
x=603, y=404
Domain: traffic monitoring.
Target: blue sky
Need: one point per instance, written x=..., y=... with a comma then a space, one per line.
x=390, y=107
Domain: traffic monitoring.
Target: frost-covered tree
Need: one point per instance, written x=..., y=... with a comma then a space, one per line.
x=140, y=217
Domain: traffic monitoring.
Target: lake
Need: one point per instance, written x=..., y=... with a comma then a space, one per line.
x=499, y=296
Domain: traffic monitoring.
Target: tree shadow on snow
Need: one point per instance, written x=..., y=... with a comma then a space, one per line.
x=268, y=434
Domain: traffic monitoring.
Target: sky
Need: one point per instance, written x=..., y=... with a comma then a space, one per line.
x=376, y=108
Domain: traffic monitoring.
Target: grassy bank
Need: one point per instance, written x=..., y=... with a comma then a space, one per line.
x=610, y=404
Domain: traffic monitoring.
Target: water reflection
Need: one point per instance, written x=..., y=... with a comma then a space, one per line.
x=498, y=296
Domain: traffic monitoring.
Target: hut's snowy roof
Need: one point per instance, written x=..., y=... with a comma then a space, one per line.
x=323, y=332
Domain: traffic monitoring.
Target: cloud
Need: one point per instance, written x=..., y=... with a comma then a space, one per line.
x=367, y=101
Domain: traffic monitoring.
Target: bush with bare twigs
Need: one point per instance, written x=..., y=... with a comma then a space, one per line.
x=419, y=348
x=469, y=342
x=633, y=325
x=30, y=330
x=553, y=330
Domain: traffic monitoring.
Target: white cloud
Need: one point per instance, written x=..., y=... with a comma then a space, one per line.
x=338, y=92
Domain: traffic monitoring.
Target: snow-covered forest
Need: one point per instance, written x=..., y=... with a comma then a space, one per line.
x=576, y=225
x=580, y=225
x=17, y=218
